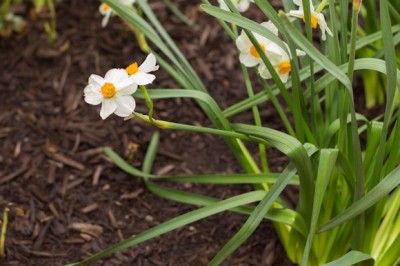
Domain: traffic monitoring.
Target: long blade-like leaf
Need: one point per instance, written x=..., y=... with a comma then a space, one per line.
x=390, y=182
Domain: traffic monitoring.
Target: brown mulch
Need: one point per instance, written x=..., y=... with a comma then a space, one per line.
x=51, y=163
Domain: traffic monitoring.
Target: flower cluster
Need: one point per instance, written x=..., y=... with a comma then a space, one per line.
x=241, y=5
x=115, y=90
x=279, y=59
x=317, y=19
x=107, y=12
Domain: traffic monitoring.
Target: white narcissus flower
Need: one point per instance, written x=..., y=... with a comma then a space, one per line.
x=279, y=59
x=114, y=92
x=140, y=74
x=107, y=12
x=316, y=18
x=280, y=62
x=241, y=5
x=248, y=52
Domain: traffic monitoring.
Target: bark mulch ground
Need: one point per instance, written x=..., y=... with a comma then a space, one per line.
x=54, y=176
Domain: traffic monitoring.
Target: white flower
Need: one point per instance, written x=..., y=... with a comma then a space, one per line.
x=241, y=5
x=278, y=58
x=280, y=62
x=107, y=12
x=248, y=53
x=316, y=18
x=114, y=92
x=140, y=74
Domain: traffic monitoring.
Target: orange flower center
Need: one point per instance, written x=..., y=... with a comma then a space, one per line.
x=105, y=7
x=284, y=67
x=314, y=21
x=108, y=90
x=254, y=52
x=132, y=68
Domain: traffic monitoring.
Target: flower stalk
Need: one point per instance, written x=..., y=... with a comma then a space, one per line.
x=3, y=233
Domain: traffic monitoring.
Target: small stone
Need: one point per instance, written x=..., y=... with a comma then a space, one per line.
x=149, y=218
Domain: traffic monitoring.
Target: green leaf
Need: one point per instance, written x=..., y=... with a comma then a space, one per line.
x=255, y=218
x=285, y=216
x=327, y=161
x=390, y=182
x=296, y=152
x=228, y=179
x=316, y=55
x=349, y=259
x=121, y=163
x=244, y=23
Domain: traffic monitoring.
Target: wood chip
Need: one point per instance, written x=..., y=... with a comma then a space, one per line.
x=112, y=218
x=77, y=142
x=17, y=149
x=53, y=209
x=51, y=176
x=90, y=208
x=165, y=169
x=96, y=175
x=43, y=232
x=11, y=176
x=86, y=237
x=86, y=228
x=171, y=155
x=91, y=152
x=131, y=195
x=67, y=161
x=204, y=35
x=74, y=241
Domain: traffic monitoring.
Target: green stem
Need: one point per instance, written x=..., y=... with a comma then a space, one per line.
x=177, y=126
x=178, y=13
x=257, y=119
x=359, y=223
x=3, y=233
x=277, y=106
x=149, y=102
x=321, y=6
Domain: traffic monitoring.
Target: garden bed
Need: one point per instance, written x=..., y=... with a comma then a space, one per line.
x=51, y=161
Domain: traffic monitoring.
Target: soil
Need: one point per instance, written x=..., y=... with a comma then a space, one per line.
x=54, y=175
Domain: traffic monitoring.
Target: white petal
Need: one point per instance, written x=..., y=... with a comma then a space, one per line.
x=243, y=42
x=116, y=75
x=92, y=97
x=300, y=52
x=142, y=78
x=248, y=60
x=96, y=79
x=296, y=13
x=149, y=64
x=127, y=87
x=271, y=27
x=312, y=9
x=243, y=5
x=261, y=39
x=126, y=2
x=264, y=73
x=107, y=108
x=275, y=53
x=323, y=25
x=125, y=105
x=284, y=77
x=223, y=5
x=106, y=18
x=90, y=88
